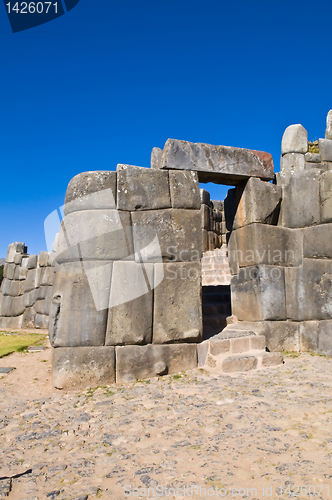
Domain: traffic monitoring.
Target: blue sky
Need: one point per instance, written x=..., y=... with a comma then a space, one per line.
x=108, y=81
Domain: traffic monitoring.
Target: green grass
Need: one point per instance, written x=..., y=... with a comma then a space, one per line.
x=19, y=342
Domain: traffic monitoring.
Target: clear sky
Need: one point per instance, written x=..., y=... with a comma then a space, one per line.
x=111, y=79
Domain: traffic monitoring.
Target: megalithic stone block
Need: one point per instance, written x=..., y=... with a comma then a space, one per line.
x=308, y=290
x=282, y=335
x=42, y=321
x=142, y=188
x=205, y=196
x=326, y=196
x=82, y=367
x=33, y=280
x=28, y=320
x=91, y=190
x=219, y=164
x=317, y=241
x=44, y=259
x=177, y=303
x=13, y=248
x=263, y=244
x=167, y=235
x=75, y=318
x=328, y=131
x=258, y=293
x=325, y=149
x=155, y=157
x=131, y=304
x=47, y=276
x=256, y=201
x=9, y=271
x=294, y=140
x=184, y=189
x=95, y=235
x=300, y=205
x=141, y=362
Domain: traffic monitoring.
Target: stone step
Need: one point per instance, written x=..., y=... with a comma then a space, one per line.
x=235, y=350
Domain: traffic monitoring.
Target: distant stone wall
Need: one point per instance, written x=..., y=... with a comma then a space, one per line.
x=281, y=248
x=26, y=290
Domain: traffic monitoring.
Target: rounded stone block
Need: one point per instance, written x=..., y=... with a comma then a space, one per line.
x=294, y=140
x=91, y=190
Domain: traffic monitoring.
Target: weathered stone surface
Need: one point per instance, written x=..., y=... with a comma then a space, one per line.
x=91, y=190
x=142, y=188
x=47, y=276
x=11, y=322
x=13, y=248
x=20, y=273
x=9, y=271
x=33, y=280
x=309, y=290
x=6, y=305
x=257, y=201
x=240, y=344
x=258, y=293
x=39, y=306
x=328, y=131
x=325, y=149
x=42, y=321
x=30, y=298
x=18, y=258
x=74, y=318
x=219, y=164
x=205, y=217
x=294, y=140
x=317, y=242
x=13, y=288
x=184, y=189
x=178, y=232
x=177, y=303
x=272, y=359
x=300, y=205
x=28, y=320
x=32, y=261
x=131, y=304
x=282, y=335
x=219, y=346
x=155, y=157
x=96, y=235
x=82, y=367
x=290, y=163
x=312, y=158
x=17, y=306
x=141, y=362
x=257, y=342
x=205, y=240
x=262, y=244
x=309, y=336
x=325, y=338
x=205, y=196
x=326, y=196
x=44, y=259
x=239, y=364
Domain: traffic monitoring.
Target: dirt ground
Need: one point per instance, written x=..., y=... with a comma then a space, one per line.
x=265, y=434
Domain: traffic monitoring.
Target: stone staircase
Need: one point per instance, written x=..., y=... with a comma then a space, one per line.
x=216, y=302
x=238, y=348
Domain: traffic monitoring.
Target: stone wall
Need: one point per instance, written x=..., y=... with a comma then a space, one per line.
x=281, y=259
x=26, y=290
x=128, y=276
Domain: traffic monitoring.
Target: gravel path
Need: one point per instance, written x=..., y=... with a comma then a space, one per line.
x=199, y=434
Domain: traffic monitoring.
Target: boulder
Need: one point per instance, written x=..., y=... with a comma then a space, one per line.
x=294, y=140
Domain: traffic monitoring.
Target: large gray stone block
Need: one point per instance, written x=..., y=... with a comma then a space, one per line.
x=282, y=335
x=39, y=307
x=6, y=305
x=11, y=322
x=328, y=131
x=30, y=298
x=294, y=140
x=142, y=188
x=184, y=189
x=205, y=196
x=44, y=259
x=258, y=293
x=300, y=205
x=309, y=291
x=47, y=276
x=177, y=303
x=256, y=201
x=326, y=196
x=13, y=248
x=219, y=164
x=262, y=244
x=74, y=318
x=32, y=261
x=83, y=367
x=20, y=273
x=28, y=320
x=91, y=190
x=168, y=235
x=325, y=149
x=131, y=304
x=9, y=271
x=42, y=321
x=155, y=157
x=17, y=306
x=13, y=288
x=325, y=338
x=317, y=242
x=142, y=362
x=33, y=280
x=95, y=235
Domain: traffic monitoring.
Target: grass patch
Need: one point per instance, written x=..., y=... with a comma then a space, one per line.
x=18, y=343
x=291, y=354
